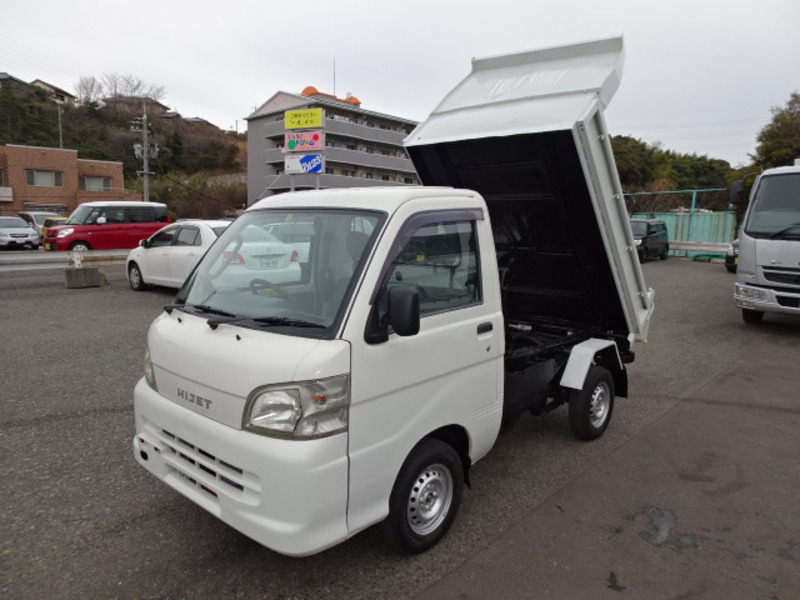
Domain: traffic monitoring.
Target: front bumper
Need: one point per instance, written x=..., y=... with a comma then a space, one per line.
x=766, y=300
x=290, y=496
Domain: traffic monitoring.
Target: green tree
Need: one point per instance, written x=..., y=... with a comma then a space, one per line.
x=779, y=140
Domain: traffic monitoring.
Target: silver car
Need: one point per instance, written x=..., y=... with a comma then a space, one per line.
x=16, y=232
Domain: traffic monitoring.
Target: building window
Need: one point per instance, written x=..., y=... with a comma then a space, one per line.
x=2, y=178
x=368, y=176
x=384, y=178
x=408, y=181
x=44, y=178
x=94, y=184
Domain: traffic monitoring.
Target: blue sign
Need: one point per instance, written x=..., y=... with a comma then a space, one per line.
x=311, y=163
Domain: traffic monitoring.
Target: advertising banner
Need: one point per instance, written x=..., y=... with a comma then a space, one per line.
x=304, y=163
x=303, y=141
x=303, y=119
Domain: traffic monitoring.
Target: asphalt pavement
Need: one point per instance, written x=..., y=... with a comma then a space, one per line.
x=693, y=492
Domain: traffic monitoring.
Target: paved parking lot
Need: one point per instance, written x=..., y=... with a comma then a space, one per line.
x=692, y=493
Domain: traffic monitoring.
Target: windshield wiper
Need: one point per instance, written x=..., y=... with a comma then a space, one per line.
x=215, y=322
x=785, y=230
x=210, y=310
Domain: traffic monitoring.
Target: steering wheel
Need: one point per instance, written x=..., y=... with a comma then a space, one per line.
x=257, y=285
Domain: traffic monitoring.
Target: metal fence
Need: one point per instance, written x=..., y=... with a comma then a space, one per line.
x=697, y=226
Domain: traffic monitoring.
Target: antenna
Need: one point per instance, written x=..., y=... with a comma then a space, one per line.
x=334, y=76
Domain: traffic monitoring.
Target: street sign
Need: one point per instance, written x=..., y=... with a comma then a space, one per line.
x=303, y=141
x=303, y=119
x=304, y=163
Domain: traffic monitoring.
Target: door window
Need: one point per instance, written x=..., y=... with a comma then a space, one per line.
x=188, y=236
x=163, y=238
x=440, y=260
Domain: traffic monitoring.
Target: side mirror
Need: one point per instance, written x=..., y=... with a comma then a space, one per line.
x=737, y=191
x=403, y=310
x=403, y=315
x=101, y=221
x=144, y=243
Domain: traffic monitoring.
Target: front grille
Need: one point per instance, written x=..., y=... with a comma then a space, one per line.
x=787, y=276
x=788, y=301
x=208, y=473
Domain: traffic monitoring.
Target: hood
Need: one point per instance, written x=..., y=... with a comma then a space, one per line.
x=212, y=372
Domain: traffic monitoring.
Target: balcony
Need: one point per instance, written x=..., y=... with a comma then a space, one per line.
x=276, y=184
x=356, y=158
x=269, y=129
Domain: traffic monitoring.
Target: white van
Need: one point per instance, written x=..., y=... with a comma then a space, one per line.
x=423, y=318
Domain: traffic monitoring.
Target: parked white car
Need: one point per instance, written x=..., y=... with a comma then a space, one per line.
x=169, y=255
x=16, y=232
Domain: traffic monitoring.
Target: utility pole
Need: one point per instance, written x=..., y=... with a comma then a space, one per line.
x=143, y=150
x=145, y=154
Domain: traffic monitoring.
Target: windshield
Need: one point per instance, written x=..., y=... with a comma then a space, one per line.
x=13, y=222
x=285, y=271
x=639, y=228
x=775, y=210
x=80, y=215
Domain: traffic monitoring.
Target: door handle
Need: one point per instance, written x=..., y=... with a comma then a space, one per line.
x=485, y=328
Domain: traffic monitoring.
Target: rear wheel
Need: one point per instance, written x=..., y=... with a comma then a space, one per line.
x=665, y=252
x=135, y=277
x=752, y=316
x=425, y=497
x=590, y=408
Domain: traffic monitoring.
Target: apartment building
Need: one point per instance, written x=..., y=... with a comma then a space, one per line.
x=362, y=147
x=37, y=178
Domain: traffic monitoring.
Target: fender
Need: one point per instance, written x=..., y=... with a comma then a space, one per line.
x=584, y=355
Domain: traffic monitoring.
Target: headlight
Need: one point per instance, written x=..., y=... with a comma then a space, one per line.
x=304, y=410
x=65, y=232
x=149, y=374
x=638, y=242
x=4, y=235
x=749, y=292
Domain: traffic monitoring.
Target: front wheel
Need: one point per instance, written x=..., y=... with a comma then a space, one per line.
x=425, y=497
x=80, y=247
x=135, y=277
x=752, y=316
x=590, y=408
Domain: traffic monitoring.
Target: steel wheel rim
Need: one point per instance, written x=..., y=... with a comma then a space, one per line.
x=600, y=404
x=430, y=499
x=133, y=275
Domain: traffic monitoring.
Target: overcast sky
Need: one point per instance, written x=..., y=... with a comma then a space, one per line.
x=700, y=76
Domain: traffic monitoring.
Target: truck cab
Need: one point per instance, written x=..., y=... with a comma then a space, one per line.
x=768, y=271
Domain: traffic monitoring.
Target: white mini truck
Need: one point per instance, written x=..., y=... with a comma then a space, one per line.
x=422, y=319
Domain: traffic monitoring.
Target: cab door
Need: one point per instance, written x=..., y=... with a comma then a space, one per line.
x=447, y=375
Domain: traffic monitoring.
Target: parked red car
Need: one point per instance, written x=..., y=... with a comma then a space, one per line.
x=106, y=225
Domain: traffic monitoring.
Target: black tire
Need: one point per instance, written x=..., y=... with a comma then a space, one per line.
x=731, y=268
x=590, y=408
x=135, y=278
x=80, y=246
x=665, y=253
x=425, y=497
x=752, y=316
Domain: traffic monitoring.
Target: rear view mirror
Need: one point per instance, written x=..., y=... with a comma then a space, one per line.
x=737, y=191
x=144, y=243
